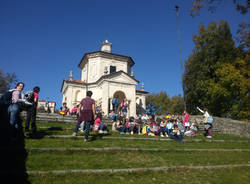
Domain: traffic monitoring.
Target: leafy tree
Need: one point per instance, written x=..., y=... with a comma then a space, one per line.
x=160, y=103
x=242, y=6
x=217, y=73
x=177, y=105
x=6, y=81
x=243, y=36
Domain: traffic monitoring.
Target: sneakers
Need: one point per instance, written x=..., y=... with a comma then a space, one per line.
x=162, y=135
x=101, y=131
x=209, y=136
x=85, y=140
x=122, y=133
x=74, y=134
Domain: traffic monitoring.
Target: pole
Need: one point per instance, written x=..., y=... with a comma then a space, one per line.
x=180, y=52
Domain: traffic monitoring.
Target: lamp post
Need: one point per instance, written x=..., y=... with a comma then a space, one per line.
x=180, y=52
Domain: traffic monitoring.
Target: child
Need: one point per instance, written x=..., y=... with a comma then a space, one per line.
x=169, y=127
x=176, y=135
x=99, y=125
x=97, y=122
x=186, y=123
x=193, y=130
x=162, y=128
x=131, y=125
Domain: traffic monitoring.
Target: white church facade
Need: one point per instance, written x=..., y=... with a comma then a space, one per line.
x=107, y=75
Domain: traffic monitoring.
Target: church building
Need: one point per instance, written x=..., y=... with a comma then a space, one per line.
x=107, y=75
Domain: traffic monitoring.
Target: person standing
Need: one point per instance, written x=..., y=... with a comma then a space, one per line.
x=87, y=113
x=14, y=110
x=208, y=124
x=186, y=123
x=31, y=111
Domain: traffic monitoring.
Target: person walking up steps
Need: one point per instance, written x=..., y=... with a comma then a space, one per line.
x=87, y=112
x=32, y=110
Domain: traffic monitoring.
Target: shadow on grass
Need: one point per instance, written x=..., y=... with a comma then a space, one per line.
x=13, y=152
x=56, y=128
x=99, y=136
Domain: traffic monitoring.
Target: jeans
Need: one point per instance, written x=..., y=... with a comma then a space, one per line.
x=161, y=130
x=31, y=117
x=177, y=138
x=14, y=111
x=87, y=130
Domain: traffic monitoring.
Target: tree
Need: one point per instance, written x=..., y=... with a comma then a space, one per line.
x=177, y=105
x=6, y=81
x=243, y=36
x=242, y=6
x=217, y=73
x=160, y=103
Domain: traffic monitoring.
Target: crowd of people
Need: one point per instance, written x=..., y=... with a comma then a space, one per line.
x=168, y=126
x=89, y=117
x=173, y=126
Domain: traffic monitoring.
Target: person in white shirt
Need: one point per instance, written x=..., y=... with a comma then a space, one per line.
x=208, y=126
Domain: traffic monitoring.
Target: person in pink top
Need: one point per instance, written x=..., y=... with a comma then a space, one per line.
x=186, y=123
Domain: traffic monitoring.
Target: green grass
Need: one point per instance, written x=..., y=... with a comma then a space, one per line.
x=121, y=159
x=173, y=176
x=68, y=160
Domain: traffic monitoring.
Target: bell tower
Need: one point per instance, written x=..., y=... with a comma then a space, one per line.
x=106, y=46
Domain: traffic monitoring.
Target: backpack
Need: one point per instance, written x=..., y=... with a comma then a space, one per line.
x=29, y=96
x=210, y=120
x=6, y=98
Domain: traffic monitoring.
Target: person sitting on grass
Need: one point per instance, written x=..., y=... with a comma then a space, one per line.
x=138, y=126
x=169, y=127
x=99, y=126
x=193, y=130
x=64, y=110
x=176, y=134
x=132, y=127
x=162, y=128
x=126, y=127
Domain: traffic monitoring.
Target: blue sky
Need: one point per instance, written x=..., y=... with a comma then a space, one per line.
x=42, y=40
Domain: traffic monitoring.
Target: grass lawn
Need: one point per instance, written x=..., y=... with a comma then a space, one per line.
x=175, y=155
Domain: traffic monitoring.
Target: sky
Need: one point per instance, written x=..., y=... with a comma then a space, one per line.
x=41, y=41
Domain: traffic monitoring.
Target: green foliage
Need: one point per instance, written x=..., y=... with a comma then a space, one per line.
x=241, y=6
x=164, y=104
x=6, y=80
x=217, y=74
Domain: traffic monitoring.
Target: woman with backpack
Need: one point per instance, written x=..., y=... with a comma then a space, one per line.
x=14, y=109
x=208, y=120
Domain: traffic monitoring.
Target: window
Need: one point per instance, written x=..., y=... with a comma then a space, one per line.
x=112, y=69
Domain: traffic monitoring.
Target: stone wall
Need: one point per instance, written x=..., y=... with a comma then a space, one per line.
x=223, y=125
x=228, y=126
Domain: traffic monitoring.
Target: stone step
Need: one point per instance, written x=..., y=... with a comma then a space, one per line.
x=163, y=168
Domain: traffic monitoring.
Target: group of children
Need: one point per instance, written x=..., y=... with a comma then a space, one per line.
x=170, y=126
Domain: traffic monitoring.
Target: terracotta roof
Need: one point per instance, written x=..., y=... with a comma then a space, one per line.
x=141, y=91
x=75, y=81
x=45, y=101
